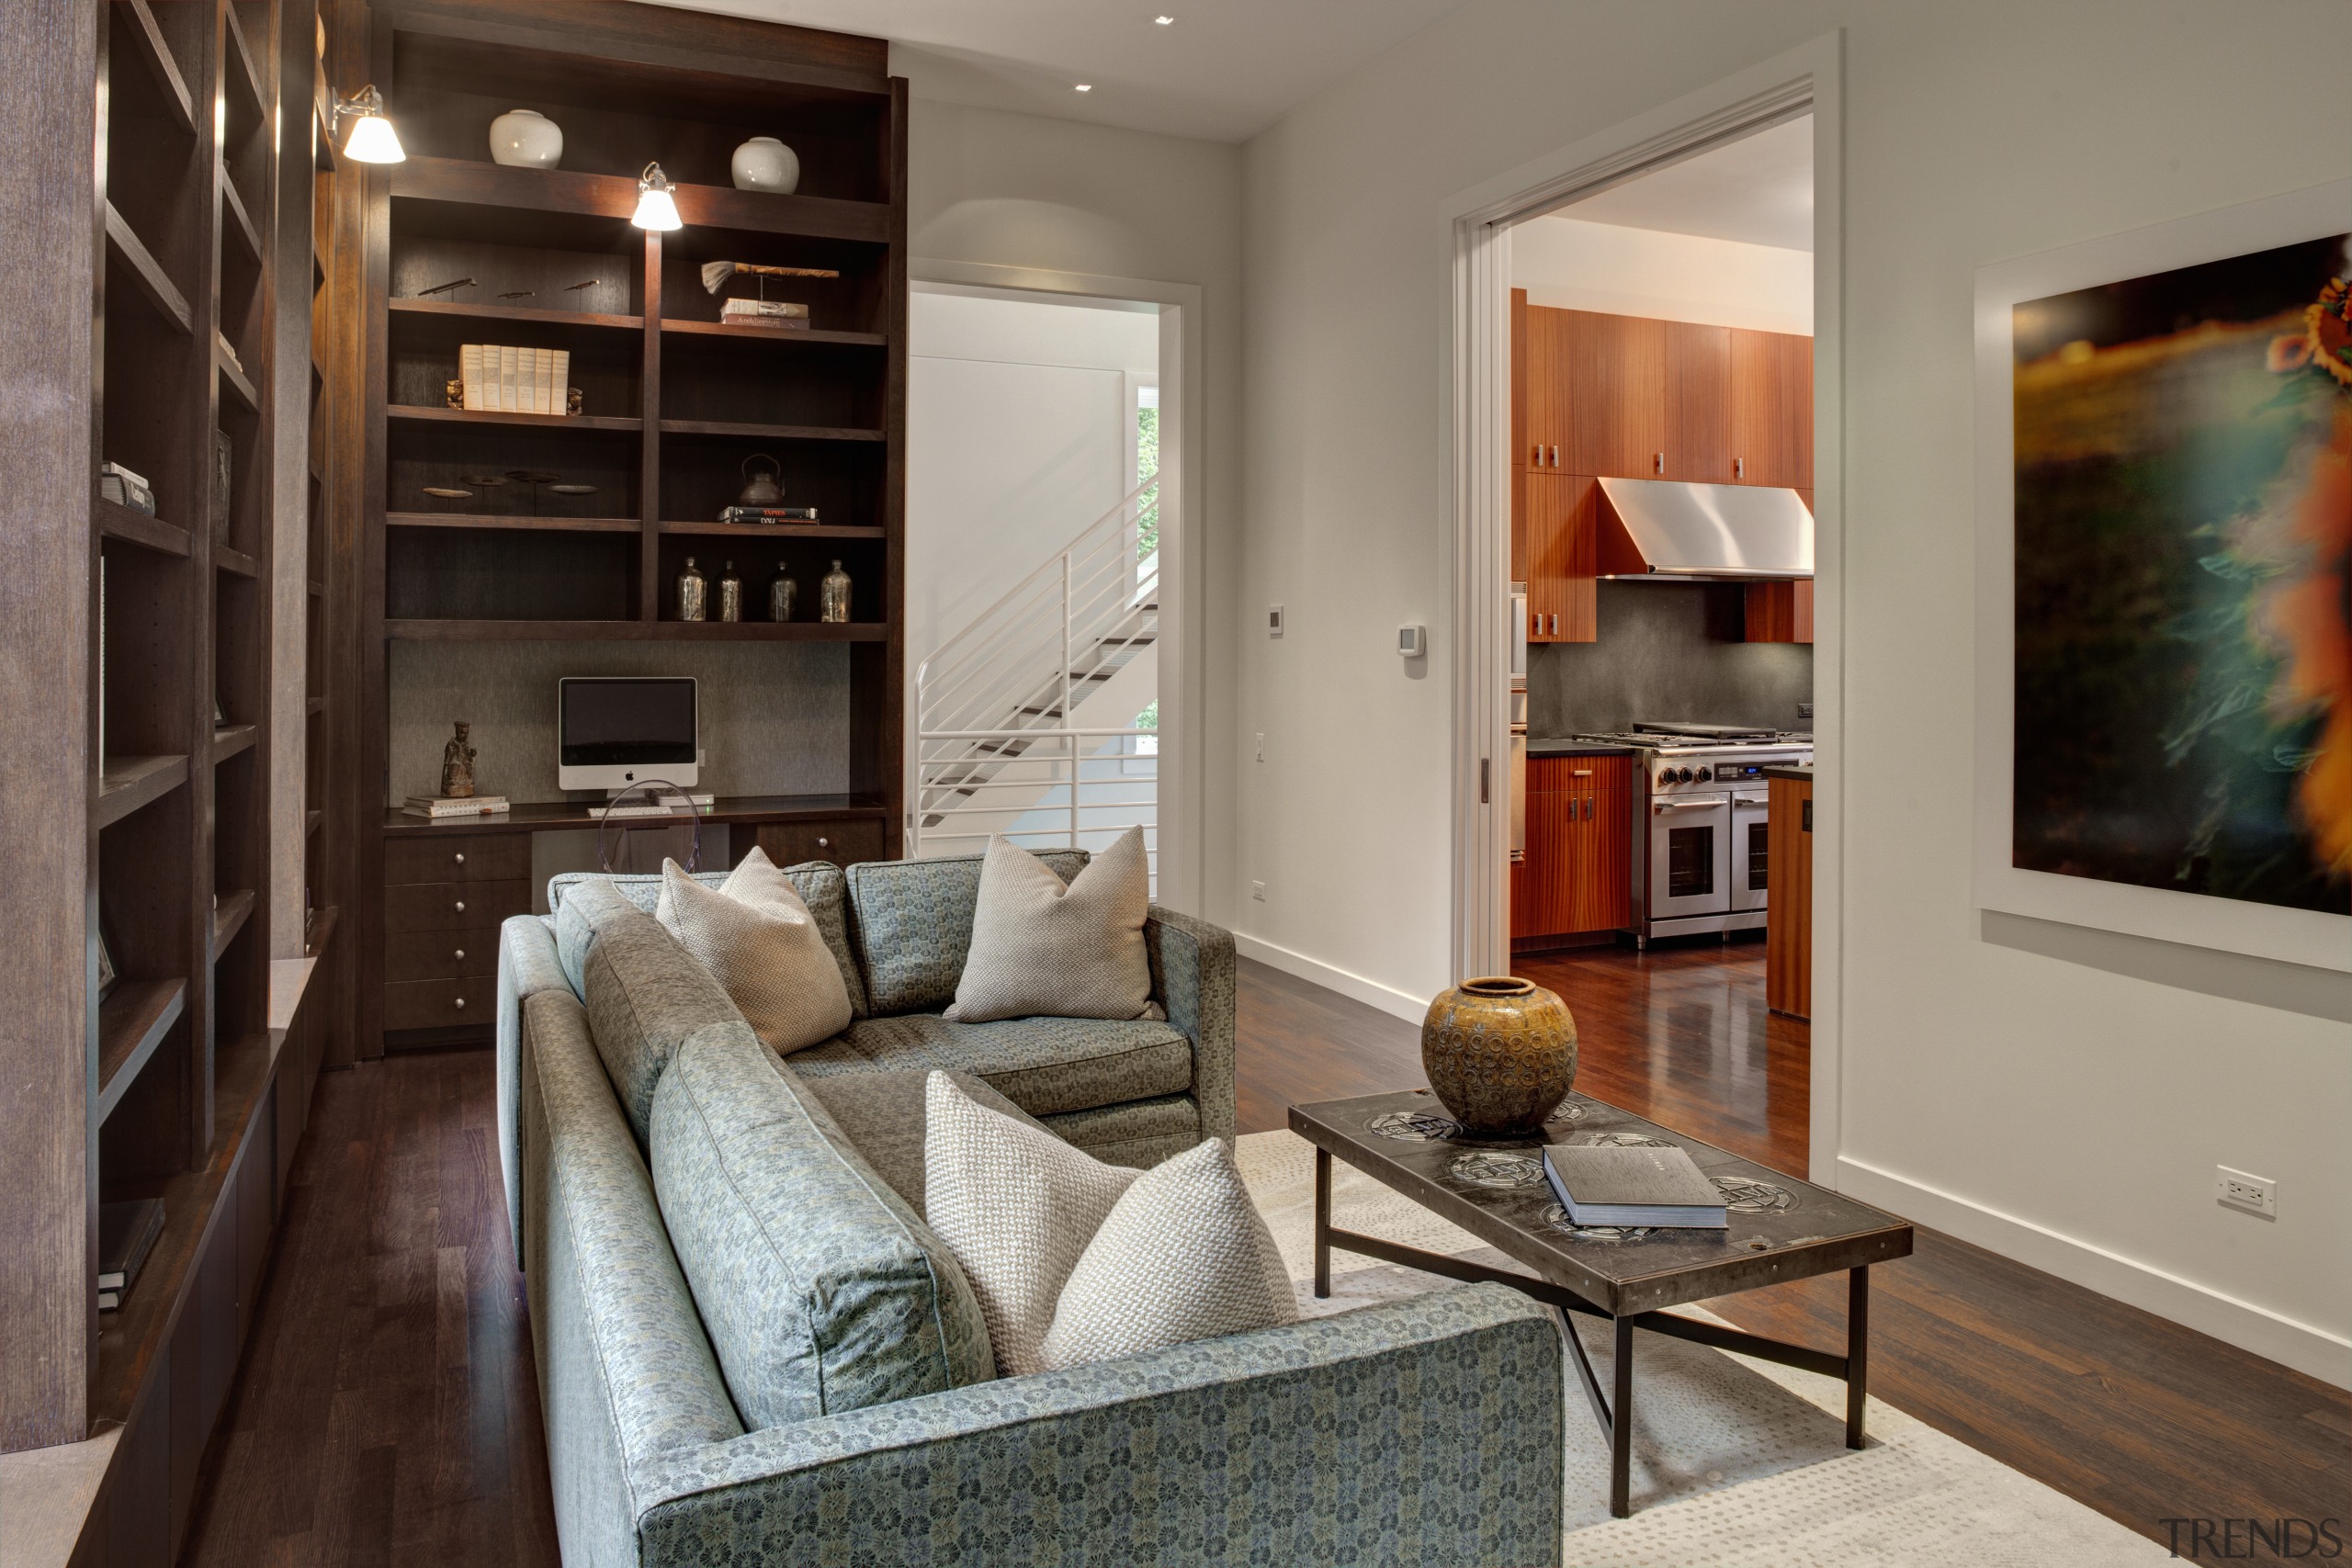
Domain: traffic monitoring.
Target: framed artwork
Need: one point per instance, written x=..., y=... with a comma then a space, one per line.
x=2164, y=581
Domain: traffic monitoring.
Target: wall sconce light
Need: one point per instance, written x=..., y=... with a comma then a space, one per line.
x=655, y=208
x=372, y=139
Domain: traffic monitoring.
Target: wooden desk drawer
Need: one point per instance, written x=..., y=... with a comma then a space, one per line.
x=469, y=953
x=441, y=1004
x=475, y=857
x=453, y=906
x=844, y=843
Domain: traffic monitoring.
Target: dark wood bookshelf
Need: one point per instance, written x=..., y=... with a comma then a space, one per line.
x=777, y=532
x=434, y=630
x=570, y=814
x=126, y=784
x=228, y=739
x=522, y=315
x=235, y=561
x=807, y=337
x=768, y=432
x=422, y=415
x=154, y=283
x=615, y=195
x=500, y=521
x=132, y=1021
x=115, y=521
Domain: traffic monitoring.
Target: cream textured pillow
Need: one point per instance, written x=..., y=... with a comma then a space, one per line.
x=758, y=939
x=1040, y=948
x=1074, y=1260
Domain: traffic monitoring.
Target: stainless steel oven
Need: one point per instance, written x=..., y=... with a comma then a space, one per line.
x=1690, y=859
x=1751, y=844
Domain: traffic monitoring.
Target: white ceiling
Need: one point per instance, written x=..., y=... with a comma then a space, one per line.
x=1224, y=70
x=1758, y=190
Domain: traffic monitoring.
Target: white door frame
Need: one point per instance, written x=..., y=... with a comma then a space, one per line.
x=1182, y=538
x=1477, y=477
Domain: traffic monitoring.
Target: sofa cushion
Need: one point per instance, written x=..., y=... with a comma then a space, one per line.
x=755, y=936
x=914, y=925
x=883, y=1115
x=821, y=1291
x=644, y=996
x=819, y=884
x=1070, y=947
x=1041, y=1065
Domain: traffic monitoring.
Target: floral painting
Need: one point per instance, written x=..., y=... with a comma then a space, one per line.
x=2183, y=538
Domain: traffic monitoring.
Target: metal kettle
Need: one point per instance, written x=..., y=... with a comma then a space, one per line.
x=761, y=490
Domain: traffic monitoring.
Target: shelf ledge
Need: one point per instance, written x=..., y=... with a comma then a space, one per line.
x=812, y=335
x=511, y=523
x=132, y=1021
x=117, y=520
x=148, y=38
x=413, y=414
x=769, y=431
x=148, y=273
x=229, y=917
x=237, y=561
x=128, y=783
x=634, y=631
x=232, y=739
x=615, y=197
x=463, y=311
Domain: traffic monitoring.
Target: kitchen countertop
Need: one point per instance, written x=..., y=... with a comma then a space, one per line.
x=1801, y=774
x=1575, y=749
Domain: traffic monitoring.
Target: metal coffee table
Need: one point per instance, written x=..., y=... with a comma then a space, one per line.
x=1782, y=1229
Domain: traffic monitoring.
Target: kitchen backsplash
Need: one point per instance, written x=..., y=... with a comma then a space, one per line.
x=1667, y=650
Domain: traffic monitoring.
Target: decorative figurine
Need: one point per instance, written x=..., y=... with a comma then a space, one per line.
x=781, y=593
x=693, y=594
x=457, y=766
x=834, y=600
x=730, y=594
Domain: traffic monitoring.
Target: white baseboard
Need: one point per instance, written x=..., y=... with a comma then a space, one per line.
x=1372, y=993
x=2311, y=1350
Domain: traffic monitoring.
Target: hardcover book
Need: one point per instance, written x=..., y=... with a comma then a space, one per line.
x=1607, y=1184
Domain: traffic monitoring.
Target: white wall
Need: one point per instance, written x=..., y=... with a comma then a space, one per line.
x=1573, y=265
x=2064, y=1113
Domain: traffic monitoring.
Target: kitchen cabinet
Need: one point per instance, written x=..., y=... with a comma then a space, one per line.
x=1788, y=929
x=1614, y=368
x=1780, y=612
x=1578, y=874
x=1770, y=434
x=1696, y=445
x=1561, y=555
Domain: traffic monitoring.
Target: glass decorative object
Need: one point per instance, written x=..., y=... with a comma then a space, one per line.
x=730, y=594
x=835, y=601
x=781, y=593
x=693, y=594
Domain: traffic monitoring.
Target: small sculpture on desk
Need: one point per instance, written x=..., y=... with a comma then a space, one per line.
x=457, y=765
x=693, y=594
x=781, y=593
x=834, y=601
x=730, y=594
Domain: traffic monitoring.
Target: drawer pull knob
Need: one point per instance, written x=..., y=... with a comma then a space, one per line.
x=459, y=954
x=461, y=905
x=824, y=844
x=460, y=1002
x=461, y=857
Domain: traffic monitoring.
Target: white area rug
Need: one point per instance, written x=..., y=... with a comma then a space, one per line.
x=1737, y=1464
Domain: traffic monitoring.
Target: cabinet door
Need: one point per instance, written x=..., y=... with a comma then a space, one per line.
x=1616, y=366
x=1539, y=902
x=1562, y=547
x=1519, y=523
x=1698, y=398
x=1771, y=409
x=1546, y=436
x=1518, y=436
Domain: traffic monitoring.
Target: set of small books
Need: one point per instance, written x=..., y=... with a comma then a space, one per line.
x=1607, y=1184
x=127, y=1233
x=765, y=313
x=667, y=802
x=768, y=515
x=501, y=378
x=124, y=488
x=440, y=805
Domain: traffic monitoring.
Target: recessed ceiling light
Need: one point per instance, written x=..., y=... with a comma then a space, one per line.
x=1165, y=21
x=1085, y=87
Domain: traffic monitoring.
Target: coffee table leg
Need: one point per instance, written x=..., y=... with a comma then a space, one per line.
x=1322, y=1223
x=1620, y=1425
x=1858, y=1334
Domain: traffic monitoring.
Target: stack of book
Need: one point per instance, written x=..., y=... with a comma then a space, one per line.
x=124, y=488
x=440, y=805
x=768, y=515
x=765, y=313
x=127, y=1233
x=501, y=378
x=1608, y=1184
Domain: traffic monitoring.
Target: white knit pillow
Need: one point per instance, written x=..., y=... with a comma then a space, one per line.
x=757, y=938
x=1074, y=1260
x=1040, y=948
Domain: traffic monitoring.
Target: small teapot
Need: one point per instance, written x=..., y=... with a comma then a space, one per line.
x=761, y=490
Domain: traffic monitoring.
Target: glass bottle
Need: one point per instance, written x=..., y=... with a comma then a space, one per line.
x=693, y=594
x=730, y=594
x=834, y=605
x=781, y=593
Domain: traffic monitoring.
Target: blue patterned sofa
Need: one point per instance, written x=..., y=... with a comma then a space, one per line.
x=719, y=1247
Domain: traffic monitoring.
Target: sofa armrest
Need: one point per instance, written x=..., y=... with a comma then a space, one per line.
x=1192, y=977
x=1427, y=1431
x=526, y=965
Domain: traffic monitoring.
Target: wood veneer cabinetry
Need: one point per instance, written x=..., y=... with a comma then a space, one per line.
x=1576, y=876
x=1788, y=930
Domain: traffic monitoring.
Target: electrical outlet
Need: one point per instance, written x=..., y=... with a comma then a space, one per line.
x=2239, y=1189
x=1258, y=891
x=1261, y=745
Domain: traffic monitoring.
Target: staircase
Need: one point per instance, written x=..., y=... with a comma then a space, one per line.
x=1025, y=719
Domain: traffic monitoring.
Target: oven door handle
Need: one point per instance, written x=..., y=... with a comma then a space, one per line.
x=1751, y=800
x=1713, y=803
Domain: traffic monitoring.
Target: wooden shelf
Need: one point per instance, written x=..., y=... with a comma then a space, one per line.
x=615, y=195
x=229, y=917
x=784, y=531
x=240, y=67
x=147, y=43
x=237, y=561
x=318, y=589
x=312, y=822
x=774, y=335
x=115, y=521
x=232, y=739
x=503, y=521
x=240, y=223
x=312, y=707
x=411, y=413
x=323, y=920
x=768, y=432
x=582, y=814
x=633, y=631
x=126, y=784
x=521, y=314
x=232, y=376
x=132, y=1021
x=168, y=301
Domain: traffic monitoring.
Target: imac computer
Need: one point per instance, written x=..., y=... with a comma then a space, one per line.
x=613, y=731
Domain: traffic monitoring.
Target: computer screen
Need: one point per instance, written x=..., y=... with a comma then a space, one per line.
x=633, y=722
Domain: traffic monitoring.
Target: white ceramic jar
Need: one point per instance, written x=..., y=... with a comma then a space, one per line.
x=765, y=163
x=526, y=139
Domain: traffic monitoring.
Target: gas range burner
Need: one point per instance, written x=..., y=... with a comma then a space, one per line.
x=1692, y=737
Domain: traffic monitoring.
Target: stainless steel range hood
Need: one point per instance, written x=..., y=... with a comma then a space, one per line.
x=1668, y=528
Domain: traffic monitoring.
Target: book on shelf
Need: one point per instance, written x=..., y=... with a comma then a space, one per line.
x=665, y=803
x=763, y=313
x=501, y=378
x=470, y=373
x=768, y=515
x=127, y=1233
x=124, y=488
x=1612, y=1184
x=454, y=806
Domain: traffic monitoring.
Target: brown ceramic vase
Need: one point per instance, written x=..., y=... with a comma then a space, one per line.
x=1501, y=1052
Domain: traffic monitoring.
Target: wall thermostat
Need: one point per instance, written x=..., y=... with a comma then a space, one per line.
x=1274, y=620
x=1412, y=642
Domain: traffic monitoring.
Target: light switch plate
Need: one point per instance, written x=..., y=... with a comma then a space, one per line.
x=1274, y=620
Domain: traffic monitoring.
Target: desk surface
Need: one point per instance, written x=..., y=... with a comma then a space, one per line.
x=560, y=815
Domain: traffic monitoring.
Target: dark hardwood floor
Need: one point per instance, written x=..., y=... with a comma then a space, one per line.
x=386, y=1410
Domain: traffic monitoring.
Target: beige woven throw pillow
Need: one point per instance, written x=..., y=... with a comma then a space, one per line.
x=1040, y=948
x=1074, y=1260
x=755, y=935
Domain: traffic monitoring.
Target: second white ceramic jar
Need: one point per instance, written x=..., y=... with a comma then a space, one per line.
x=765, y=163
x=526, y=139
